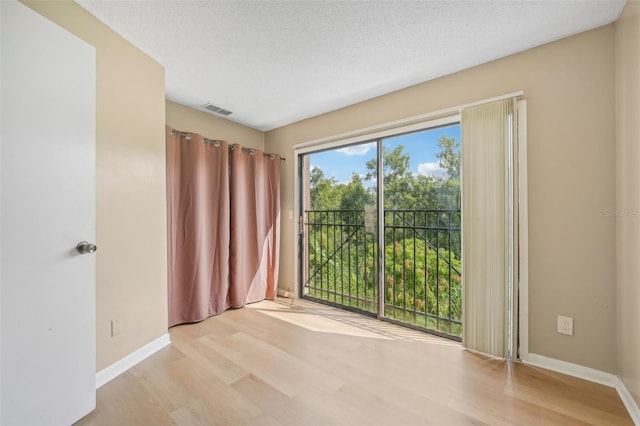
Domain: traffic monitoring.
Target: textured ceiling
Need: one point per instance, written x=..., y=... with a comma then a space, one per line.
x=276, y=62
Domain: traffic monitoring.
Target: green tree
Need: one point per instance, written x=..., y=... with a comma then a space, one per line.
x=354, y=194
x=324, y=193
x=449, y=156
x=449, y=189
x=425, y=193
x=398, y=181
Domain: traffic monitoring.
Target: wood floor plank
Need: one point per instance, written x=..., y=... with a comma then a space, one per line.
x=298, y=363
x=383, y=407
x=279, y=369
x=286, y=410
x=162, y=383
x=220, y=367
x=217, y=403
x=126, y=403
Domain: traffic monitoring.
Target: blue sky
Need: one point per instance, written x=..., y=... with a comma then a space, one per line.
x=422, y=146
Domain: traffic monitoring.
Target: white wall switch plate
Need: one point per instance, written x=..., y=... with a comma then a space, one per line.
x=565, y=325
x=116, y=327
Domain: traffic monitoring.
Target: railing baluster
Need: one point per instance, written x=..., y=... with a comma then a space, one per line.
x=365, y=249
x=404, y=266
x=349, y=253
x=358, y=262
x=335, y=275
x=321, y=256
x=393, y=281
x=426, y=276
x=342, y=257
x=415, y=275
x=449, y=265
x=315, y=251
x=437, y=275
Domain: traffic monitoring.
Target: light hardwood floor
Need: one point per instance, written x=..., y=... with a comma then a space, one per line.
x=299, y=363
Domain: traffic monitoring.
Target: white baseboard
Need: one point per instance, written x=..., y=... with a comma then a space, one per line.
x=568, y=368
x=591, y=375
x=630, y=404
x=285, y=293
x=114, y=370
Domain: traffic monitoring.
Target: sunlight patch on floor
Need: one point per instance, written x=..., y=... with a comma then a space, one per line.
x=326, y=319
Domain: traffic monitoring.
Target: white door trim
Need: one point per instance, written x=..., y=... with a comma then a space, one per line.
x=523, y=233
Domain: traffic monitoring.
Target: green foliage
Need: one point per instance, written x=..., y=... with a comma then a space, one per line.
x=449, y=156
x=422, y=279
x=398, y=181
x=323, y=191
x=354, y=194
x=328, y=194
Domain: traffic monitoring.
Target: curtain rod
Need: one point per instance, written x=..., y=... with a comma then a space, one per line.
x=216, y=143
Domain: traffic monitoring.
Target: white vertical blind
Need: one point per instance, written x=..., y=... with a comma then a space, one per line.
x=487, y=225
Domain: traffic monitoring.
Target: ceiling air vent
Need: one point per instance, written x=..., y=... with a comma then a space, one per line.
x=216, y=109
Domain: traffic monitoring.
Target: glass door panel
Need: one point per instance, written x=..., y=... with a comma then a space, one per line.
x=422, y=283
x=339, y=247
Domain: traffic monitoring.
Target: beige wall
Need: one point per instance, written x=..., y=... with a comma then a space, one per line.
x=627, y=56
x=569, y=86
x=212, y=127
x=130, y=185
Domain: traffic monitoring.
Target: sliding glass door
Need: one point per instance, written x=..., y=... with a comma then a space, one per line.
x=422, y=283
x=400, y=261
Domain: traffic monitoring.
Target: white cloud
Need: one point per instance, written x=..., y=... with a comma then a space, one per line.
x=431, y=169
x=357, y=149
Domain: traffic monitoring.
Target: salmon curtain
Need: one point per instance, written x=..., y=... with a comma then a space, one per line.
x=223, y=225
x=198, y=227
x=255, y=225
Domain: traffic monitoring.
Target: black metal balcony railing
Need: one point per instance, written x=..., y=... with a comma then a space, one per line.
x=422, y=271
x=340, y=261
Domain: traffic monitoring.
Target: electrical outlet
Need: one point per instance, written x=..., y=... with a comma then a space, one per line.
x=565, y=325
x=116, y=327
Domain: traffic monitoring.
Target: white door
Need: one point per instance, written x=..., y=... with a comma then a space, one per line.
x=47, y=206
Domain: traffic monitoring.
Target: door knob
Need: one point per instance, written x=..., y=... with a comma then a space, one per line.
x=84, y=247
